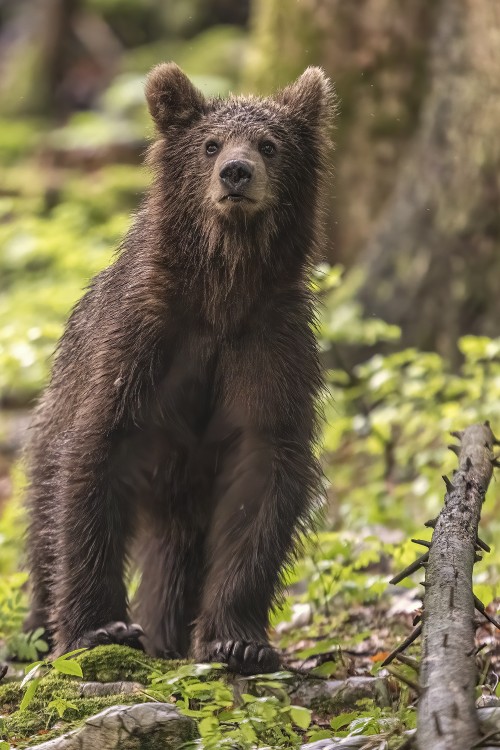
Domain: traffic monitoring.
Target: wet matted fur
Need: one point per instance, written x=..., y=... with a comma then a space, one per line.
x=180, y=418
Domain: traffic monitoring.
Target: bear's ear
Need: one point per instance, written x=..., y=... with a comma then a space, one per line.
x=311, y=96
x=172, y=99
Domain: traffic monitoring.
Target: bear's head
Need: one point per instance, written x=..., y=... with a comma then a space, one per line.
x=240, y=159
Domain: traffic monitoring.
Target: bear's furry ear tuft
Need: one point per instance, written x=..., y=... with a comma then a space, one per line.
x=311, y=96
x=172, y=99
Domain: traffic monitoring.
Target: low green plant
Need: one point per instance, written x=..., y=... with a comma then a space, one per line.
x=368, y=720
x=26, y=646
x=13, y=606
x=227, y=720
x=60, y=706
x=36, y=671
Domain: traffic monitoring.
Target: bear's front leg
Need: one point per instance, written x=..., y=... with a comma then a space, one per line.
x=261, y=495
x=90, y=601
x=267, y=483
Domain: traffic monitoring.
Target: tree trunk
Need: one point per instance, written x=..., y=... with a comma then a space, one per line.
x=376, y=53
x=433, y=264
x=33, y=45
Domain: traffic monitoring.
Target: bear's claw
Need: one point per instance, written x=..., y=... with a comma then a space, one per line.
x=112, y=632
x=244, y=657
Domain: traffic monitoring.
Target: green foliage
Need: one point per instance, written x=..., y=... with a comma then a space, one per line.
x=13, y=600
x=266, y=717
x=341, y=320
x=46, y=261
x=370, y=719
x=387, y=421
x=26, y=646
x=218, y=51
x=35, y=672
x=94, y=131
x=61, y=705
x=23, y=726
x=12, y=606
x=12, y=525
x=40, y=698
x=17, y=137
x=337, y=566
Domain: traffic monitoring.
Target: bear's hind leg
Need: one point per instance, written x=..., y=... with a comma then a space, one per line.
x=42, y=545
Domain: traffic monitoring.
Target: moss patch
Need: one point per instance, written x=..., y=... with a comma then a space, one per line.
x=31, y=727
x=102, y=664
x=119, y=663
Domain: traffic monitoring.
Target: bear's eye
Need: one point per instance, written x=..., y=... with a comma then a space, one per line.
x=267, y=148
x=211, y=148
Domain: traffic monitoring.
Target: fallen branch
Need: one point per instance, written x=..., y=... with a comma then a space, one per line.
x=447, y=717
x=403, y=646
x=412, y=568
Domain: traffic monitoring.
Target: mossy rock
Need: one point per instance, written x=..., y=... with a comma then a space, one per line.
x=121, y=663
x=106, y=664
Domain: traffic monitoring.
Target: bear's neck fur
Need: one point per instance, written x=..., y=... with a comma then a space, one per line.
x=223, y=267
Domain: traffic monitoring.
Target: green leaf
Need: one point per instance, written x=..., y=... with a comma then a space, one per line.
x=33, y=669
x=327, y=669
x=30, y=693
x=69, y=654
x=247, y=698
x=248, y=732
x=270, y=684
x=301, y=716
x=28, y=667
x=36, y=634
x=208, y=726
x=323, y=647
x=264, y=679
x=195, y=713
x=41, y=646
x=343, y=720
x=199, y=670
x=4, y=745
x=264, y=708
x=319, y=734
x=67, y=666
x=61, y=705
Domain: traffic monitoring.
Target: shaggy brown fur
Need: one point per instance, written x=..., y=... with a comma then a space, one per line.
x=181, y=410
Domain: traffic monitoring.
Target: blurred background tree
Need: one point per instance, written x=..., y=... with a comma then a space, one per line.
x=418, y=151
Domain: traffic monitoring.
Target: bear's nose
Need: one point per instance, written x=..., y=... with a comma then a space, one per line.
x=235, y=174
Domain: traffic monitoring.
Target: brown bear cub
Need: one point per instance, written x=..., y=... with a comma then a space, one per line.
x=179, y=425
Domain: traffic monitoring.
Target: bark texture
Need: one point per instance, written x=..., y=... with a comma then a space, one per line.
x=376, y=52
x=433, y=263
x=447, y=717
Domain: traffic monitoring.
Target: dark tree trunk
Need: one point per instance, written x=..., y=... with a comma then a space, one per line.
x=433, y=264
x=55, y=57
x=34, y=47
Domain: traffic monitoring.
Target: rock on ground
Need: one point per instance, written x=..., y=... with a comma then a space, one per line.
x=128, y=728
